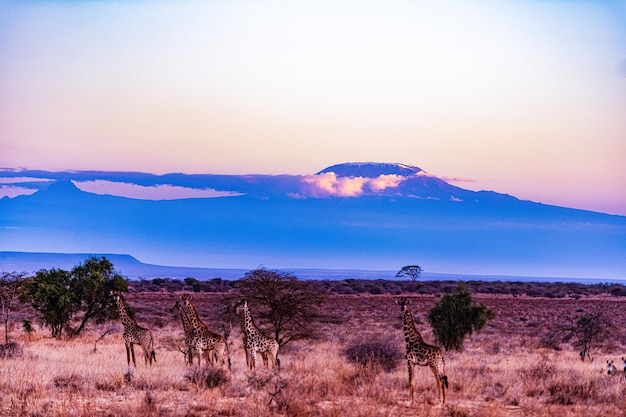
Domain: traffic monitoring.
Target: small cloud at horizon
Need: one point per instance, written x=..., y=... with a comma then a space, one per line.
x=456, y=179
x=157, y=192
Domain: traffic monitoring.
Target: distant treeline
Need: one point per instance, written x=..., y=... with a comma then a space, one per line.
x=363, y=286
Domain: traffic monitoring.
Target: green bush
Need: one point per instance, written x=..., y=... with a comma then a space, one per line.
x=456, y=316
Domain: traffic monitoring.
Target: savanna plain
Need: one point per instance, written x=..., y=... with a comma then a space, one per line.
x=514, y=366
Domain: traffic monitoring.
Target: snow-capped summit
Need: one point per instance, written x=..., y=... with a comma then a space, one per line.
x=371, y=169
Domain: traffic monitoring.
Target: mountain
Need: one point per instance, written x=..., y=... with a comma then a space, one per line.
x=371, y=169
x=357, y=216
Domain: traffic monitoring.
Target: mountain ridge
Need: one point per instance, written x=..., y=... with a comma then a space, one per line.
x=326, y=221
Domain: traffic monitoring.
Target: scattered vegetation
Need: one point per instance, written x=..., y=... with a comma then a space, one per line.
x=524, y=361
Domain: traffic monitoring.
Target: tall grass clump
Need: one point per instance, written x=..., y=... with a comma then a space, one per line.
x=383, y=355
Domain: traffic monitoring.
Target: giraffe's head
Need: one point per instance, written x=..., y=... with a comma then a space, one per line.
x=185, y=297
x=404, y=304
x=175, y=307
x=117, y=296
x=241, y=307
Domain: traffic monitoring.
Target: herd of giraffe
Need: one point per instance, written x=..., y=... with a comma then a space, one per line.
x=201, y=341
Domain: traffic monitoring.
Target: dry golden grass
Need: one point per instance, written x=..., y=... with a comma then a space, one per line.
x=504, y=370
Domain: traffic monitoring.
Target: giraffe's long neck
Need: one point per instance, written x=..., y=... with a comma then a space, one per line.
x=411, y=335
x=196, y=323
x=248, y=322
x=124, y=317
x=187, y=326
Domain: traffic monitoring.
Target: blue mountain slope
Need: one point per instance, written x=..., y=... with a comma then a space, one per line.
x=477, y=232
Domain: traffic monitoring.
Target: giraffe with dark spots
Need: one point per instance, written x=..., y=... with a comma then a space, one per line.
x=189, y=331
x=135, y=334
x=421, y=353
x=254, y=340
x=204, y=340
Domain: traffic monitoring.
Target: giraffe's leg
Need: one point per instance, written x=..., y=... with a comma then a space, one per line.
x=247, y=358
x=132, y=352
x=127, y=353
x=189, y=356
x=411, y=389
x=252, y=353
x=220, y=353
x=441, y=379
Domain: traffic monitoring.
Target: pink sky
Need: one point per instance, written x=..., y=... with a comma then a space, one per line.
x=525, y=98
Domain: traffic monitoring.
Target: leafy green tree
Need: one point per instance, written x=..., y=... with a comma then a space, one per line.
x=409, y=271
x=289, y=306
x=49, y=293
x=58, y=295
x=92, y=282
x=456, y=316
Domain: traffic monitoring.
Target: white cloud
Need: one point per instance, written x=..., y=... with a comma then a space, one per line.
x=385, y=181
x=12, y=191
x=328, y=185
x=156, y=192
x=14, y=180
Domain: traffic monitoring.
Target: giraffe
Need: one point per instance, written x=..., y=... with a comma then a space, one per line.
x=189, y=331
x=254, y=340
x=135, y=334
x=421, y=353
x=204, y=340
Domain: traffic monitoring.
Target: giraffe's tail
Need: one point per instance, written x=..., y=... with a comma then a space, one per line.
x=153, y=357
x=444, y=379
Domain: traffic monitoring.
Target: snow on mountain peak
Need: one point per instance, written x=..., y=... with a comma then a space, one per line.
x=371, y=169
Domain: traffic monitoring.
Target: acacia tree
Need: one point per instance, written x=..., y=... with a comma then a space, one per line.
x=290, y=307
x=456, y=316
x=10, y=284
x=410, y=271
x=589, y=329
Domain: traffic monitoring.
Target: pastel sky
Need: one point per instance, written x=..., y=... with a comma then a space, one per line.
x=525, y=97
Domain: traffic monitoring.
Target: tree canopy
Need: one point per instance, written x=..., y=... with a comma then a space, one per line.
x=456, y=316
x=59, y=295
x=409, y=271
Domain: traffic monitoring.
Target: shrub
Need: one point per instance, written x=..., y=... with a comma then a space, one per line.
x=10, y=350
x=456, y=316
x=209, y=377
x=383, y=354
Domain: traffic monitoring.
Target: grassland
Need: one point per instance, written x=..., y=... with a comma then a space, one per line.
x=511, y=368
